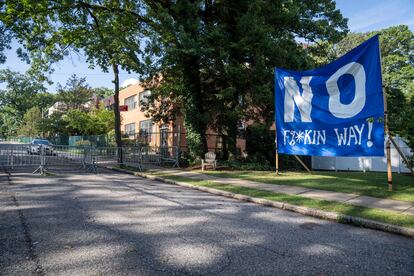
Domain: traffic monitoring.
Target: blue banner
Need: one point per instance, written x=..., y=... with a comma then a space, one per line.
x=334, y=110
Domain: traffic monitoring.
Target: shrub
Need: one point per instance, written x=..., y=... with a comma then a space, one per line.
x=260, y=143
x=126, y=142
x=261, y=148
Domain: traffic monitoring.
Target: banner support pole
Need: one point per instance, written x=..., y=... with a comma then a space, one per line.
x=386, y=129
x=277, y=150
x=401, y=154
x=388, y=143
x=277, y=154
x=303, y=164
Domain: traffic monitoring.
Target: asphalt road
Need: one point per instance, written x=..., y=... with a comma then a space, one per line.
x=116, y=224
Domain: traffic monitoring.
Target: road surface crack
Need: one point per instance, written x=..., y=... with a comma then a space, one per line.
x=26, y=233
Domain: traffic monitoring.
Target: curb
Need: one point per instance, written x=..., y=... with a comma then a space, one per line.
x=332, y=216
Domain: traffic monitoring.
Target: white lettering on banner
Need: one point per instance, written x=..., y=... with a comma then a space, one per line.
x=307, y=136
x=359, y=132
x=352, y=134
x=293, y=137
x=347, y=136
x=341, y=136
x=293, y=96
x=321, y=137
x=339, y=109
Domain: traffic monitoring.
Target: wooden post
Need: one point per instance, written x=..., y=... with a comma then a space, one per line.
x=303, y=164
x=386, y=129
x=401, y=154
x=388, y=143
x=277, y=156
x=277, y=151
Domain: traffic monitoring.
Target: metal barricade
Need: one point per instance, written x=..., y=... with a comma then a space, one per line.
x=18, y=155
x=170, y=155
x=44, y=156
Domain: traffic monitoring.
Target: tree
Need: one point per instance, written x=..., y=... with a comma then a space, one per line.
x=217, y=58
x=8, y=123
x=202, y=58
x=107, y=32
x=75, y=94
x=22, y=93
x=102, y=121
x=32, y=123
x=103, y=92
x=94, y=122
x=5, y=38
x=397, y=60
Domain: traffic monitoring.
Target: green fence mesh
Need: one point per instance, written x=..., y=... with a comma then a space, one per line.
x=94, y=140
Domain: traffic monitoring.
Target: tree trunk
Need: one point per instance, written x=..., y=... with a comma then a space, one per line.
x=195, y=121
x=232, y=138
x=118, y=138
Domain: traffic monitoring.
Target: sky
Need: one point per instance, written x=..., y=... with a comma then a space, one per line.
x=363, y=15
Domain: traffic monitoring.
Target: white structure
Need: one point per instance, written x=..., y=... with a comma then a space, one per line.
x=376, y=164
x=57, y=106
x=129, y=82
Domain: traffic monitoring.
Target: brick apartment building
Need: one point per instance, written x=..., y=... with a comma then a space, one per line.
x=135, y=125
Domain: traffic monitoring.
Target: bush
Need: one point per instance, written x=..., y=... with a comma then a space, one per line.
x=261, y=149
x=183, y=159
x=126, y=142
x=260, y=144
x=111, y=138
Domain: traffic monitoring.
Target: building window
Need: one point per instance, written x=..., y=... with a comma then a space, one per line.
x=131, y=102
x=130, y=129
x=143, y=97
x=145, y=128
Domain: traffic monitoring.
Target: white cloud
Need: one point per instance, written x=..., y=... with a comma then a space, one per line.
x=382, y=16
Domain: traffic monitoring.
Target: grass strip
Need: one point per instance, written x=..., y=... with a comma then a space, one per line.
x=369, y=184
x=324, y=205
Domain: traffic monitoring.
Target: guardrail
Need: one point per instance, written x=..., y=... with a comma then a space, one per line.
x=43, y=156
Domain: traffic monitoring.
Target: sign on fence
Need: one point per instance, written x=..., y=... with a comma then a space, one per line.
x=334, y=110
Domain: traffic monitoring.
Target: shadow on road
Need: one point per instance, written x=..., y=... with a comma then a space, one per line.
x=110, y=223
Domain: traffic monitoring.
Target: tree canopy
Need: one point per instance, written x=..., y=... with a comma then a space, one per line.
x=209, y=61
x=216, y=59
x=22, y=93
x=75, y=93
x=106, y=32
x=5, y=39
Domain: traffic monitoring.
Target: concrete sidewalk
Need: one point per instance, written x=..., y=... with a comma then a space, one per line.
x=403, y=207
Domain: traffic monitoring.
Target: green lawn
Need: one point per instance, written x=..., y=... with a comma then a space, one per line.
x=369, y=184
x=330, y=206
